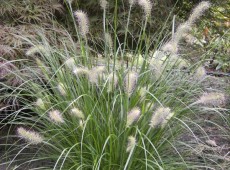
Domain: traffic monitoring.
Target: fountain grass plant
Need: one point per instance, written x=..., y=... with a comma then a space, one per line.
x=115, y=110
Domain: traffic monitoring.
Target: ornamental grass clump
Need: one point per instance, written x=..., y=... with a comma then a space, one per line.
x=107, y=113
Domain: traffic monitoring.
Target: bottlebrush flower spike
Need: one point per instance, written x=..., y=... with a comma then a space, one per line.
x=158, y=66
x=83, y=22
x=70, y=1
x=131, y=143
x=198, y=11
x=146, y=5
x=166, y=119
x=96, y=73
x=109, y=41
x=171, y=47
x=78, y=113
x=213, y=98
x=70, y=63
x=30, y=136
x=36, y=49
x=130, y=82
x=56, y=116
x=40, y=104
x=182, y=29
x=103, y=4
x=133, y=116
x=132, y=2
x=61, y=89
x=160, y=117
x=81, y=72
x=200, y=73
x=81, y=124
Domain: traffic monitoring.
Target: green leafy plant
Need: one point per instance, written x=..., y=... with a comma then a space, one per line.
x=114, y=110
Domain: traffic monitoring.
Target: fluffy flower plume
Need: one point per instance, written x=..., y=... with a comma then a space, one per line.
x=81, y=124
x=56, y=116
x=130, y=82
x=30, y=136
x=138, y=60
x=70, y=1
x=214, y=98
x=61, y=89
x=133, y=116
x=81, y=72
x=198, y=11
x=157, y=65
x=83, y=22
x=103, y=4
x=36, y=49
x=129, y=56
x=40, y=104
x=131, y=143
x=112, y=81
x=146, y=5
x=96, y=74
x=109, y=41
x=170, y=47
x=190, y=39
x=200, y=73
x=160, y=117
x=182, y=29
x=132, y=2
x=78, y=113
x=70, y=63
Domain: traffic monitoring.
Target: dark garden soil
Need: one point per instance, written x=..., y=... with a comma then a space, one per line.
x=213, y=128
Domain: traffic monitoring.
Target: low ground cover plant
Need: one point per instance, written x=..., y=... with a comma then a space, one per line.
x=109, y=109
